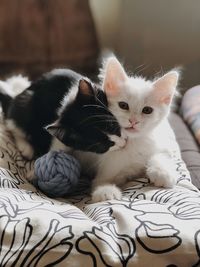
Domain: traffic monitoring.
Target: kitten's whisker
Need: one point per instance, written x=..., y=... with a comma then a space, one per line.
x=98, y=106
x=141, y=68
x=103, y=106
x=115, y=128
x=159, y=73
x=106, y=108
x=97, y=122
x=138, y=67
x=89, y=147
x=97, y=116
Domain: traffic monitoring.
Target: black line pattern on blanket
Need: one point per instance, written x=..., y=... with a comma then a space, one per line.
x=21, y=231
x=46, y=245
x=15, y=210
x=16, y=164
x=13, y=252
x=101, y=215
x=182, y=205
x=10, y=179
x=12, y=159
x=157, y=236
x=73, y=213
x=120, y=246
x=132, y=190
x=181, y=168
x=151, y=235
x=197, y=245
x=18, y=195
x=148, y=220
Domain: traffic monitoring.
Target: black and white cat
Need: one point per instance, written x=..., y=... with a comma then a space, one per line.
x=66, y=105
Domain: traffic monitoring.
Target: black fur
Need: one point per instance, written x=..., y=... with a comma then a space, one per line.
x=83, y=124
x=5, y=101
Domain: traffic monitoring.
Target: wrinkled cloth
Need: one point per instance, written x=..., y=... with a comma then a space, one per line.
x=149, y=227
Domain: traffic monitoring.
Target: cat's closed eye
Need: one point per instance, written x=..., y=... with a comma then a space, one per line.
x=147, y=110
x=123, y=105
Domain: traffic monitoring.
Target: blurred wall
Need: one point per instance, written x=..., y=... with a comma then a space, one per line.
x=159, y=34
x=106, y=15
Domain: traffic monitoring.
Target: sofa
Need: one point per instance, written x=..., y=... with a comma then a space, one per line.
x=149, y=227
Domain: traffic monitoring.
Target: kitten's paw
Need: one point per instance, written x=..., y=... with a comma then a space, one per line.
x=106, y=192
x=25, y=149
x=120, y=142
x=162, y=177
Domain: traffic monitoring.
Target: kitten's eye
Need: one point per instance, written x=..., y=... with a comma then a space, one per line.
x=147, y=110
x=123, y=105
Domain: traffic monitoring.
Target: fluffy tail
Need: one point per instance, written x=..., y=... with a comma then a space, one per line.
x=17, y=84
x=11, y=88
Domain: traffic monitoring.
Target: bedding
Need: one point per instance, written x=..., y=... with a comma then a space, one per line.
x=149, y=227
x=190, y=110
x=190, y=150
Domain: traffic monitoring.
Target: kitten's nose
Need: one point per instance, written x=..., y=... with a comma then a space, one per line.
x=133, y=122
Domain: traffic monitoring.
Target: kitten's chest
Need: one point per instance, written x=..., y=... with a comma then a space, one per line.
x=130, y=160
x=136, y=150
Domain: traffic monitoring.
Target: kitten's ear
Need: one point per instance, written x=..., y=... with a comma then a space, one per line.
x=55, y=130
x=85, y=88
x=164, y=87
x=114, y=76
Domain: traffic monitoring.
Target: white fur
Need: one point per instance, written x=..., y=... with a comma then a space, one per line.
x=5, y=88
x=17, y=84
x=106, y=192
x=14, y=86
x=68, y=98
x=56, y=145
x=20, y=140
x=120, y=142
x=149, y=147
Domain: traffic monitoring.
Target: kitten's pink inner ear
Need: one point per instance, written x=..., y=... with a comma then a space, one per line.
x=114, y=77
x=85, y=87
x=164, y=87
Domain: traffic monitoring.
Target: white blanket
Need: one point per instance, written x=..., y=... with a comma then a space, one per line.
x=149, y=227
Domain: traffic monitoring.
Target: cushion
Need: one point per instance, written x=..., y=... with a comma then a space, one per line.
x=149, y=227
x=190, y=110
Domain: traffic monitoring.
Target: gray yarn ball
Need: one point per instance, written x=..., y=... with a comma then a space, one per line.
x=57, y=173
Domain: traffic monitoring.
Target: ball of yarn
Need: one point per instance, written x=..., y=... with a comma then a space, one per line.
x=57, y=173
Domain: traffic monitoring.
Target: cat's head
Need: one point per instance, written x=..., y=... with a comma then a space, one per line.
x=138, y=104
x=84, y=121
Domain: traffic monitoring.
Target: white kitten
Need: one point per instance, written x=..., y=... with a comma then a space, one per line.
x=141, y=107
